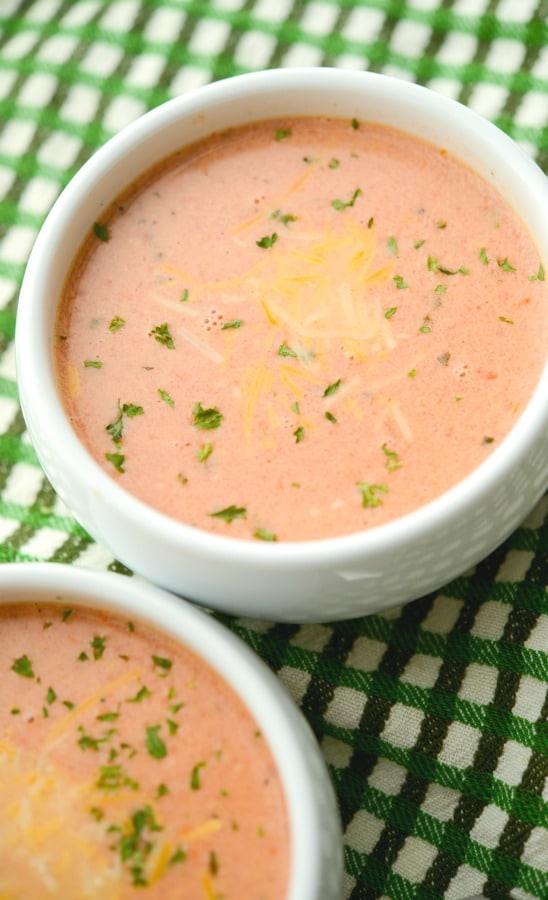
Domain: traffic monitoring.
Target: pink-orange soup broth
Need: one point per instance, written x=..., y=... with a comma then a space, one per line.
x=300, y=329
x=128, y=767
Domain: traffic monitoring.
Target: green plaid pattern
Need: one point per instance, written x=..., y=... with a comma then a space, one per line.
x=432, y=717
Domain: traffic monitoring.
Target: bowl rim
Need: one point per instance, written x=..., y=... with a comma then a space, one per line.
x=288, y=735
x=33, y=354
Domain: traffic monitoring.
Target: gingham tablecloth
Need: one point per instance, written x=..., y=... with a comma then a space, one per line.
x=431, y=717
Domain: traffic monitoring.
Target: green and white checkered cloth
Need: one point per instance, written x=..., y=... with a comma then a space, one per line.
x=433, y=717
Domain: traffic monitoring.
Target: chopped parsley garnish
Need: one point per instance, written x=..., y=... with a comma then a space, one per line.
x=195, y=779
x=23, y=666
x=434, y=266
x=390, y=312
x=116, y=323
x=93, y=364
x=332, y=388
x=284, y=218
x=166, y=397
x=234, y=323
x=101, y=231
x=540, y=275
x=206, y=418
x=115, y=428
x=185, y=295
x=162, y=334
x=341, y=204
x=370, y=493
x=117, y=460
x=141, y=695
x=505, y=265
x=267, y=241
x=229, y=513
x=154, y=742
x=281, y=133
x=263, y=535
x=284, y=350
x=162, y=662
x=400, y=282
x=418, y=244
x=299, y=434
x=204, y=452
x=483, y=256
x=354, y=123
x=392, y=244
x=330, y=417
x=393, y=461
x=507, y=321
x=333, y=163
x=98, y=646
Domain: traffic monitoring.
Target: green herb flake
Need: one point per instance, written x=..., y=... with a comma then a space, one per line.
x=229, y=513
x=195, y=776
x=162, y=334
x=330, y=417
x=204, y=452
x=332, y=388
x=339, y=205
x=441, y=224
x=284, y=350
x=116, y=323
x=267, y=241
x=507, y=321
x=505, y=265
x=299, y=434
x=97, y=644
x=101, y=231
x=392, y=245
x=162, y=791
x=154, y=742
x=162, y=662
x=117, y=460
x=51, y=696
x=184, y=296
x=234, y=323
x=132, y=410
x=333, y=163
x=262, y=534
x=354, y=124
x=400, y=282
x=370, y=223
x=23, y=666
x=483, y=256
x=284, y=218
x=206, y=418
x=540, y=275
x=178, y=856
x=166, y=397
x=66, y=614
x=418, y=244
x=412, y=373
x=393, y=461
x=142, y=694
x=108, y=717
x=181, y=478
x=172, y=726
x=370, y=493
x=93, y=364
x=390, y=312
x=282, y=133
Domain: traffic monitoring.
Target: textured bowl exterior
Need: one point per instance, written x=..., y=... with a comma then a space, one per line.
x=310, y=581
x=315, y=835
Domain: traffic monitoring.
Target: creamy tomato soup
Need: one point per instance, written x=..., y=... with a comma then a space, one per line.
x=128, y=768
x=299, y=329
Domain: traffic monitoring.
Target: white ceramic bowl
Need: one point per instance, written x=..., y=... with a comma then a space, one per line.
x=315, y=837
x=309, y=581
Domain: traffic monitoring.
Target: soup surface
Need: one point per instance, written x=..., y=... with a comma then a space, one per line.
x=299, y=329
x=128, y=768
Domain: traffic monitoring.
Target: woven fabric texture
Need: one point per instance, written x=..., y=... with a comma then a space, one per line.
x=432, y=717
